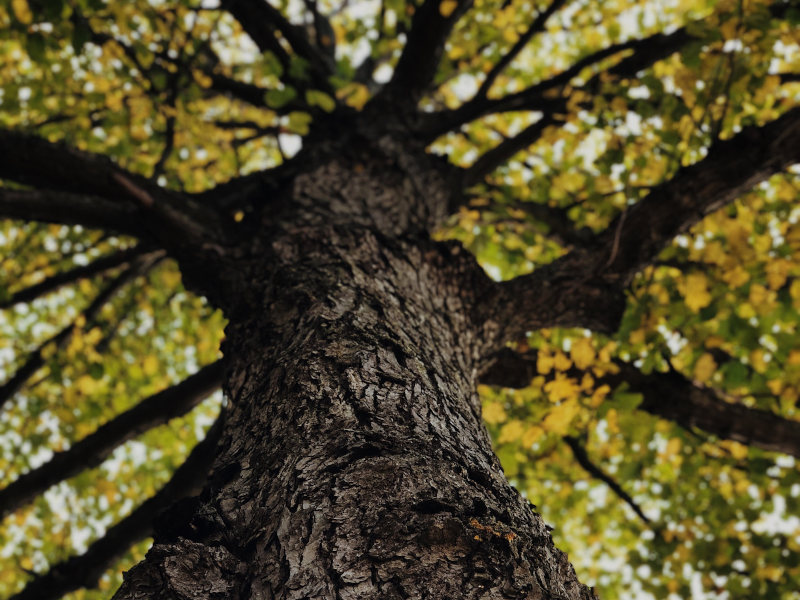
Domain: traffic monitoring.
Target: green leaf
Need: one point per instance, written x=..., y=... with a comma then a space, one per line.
x=321, y=99
x=280, y=98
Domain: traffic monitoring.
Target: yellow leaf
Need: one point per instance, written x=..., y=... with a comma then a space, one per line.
x=757, y=359
x=599, y=395
x=777, y=271
x=758, y=295
x=737, y=450
x=560, y=418
x=447, y=7
x=561, y=362
x=775, y=386
x=87, y=384
x=582, y=353
x=736, y=277
x=561, y=388
x=587, y=381
x=544, y=362
x=150, y=365
x=494, y=413
x=532, y=434
x=673, y=447
x=704, y=368
x=511, y=431
x=695, y=291
x=22, y=11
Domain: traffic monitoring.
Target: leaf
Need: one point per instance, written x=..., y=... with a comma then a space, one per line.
x=281, y=97
x=22, y=11
x=494, y=413
x=696, y=292
x=150, y=365
x=446, y=7
x=582, y=353
x=321, y=99
x=704, y=368
x=560, y=417
x=36, y=47
x=511, y=431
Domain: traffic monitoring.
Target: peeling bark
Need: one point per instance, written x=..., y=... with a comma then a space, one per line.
x=354, y=462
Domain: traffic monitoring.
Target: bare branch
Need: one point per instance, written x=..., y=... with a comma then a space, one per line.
x=95, y=448
x=789, y=77
x=580, y=454
x=85, y=570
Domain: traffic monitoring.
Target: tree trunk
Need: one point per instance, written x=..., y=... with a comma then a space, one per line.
x=354, y=462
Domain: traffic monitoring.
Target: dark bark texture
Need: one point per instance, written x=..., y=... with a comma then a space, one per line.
x=354, y=462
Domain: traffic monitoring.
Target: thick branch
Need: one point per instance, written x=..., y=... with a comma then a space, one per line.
x=670, y=396
x=419, y=61
x=67, y=208
x=580, y=454
x=261, y=20
x=84, y=571
x=95, y=448
x=34, y=161
x=585, y=287
x=91, y=190
x=674, y=397
x=54, y=282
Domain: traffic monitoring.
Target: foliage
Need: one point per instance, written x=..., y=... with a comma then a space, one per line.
x=178, y=91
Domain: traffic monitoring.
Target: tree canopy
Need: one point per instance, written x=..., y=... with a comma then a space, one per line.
x=651, y=148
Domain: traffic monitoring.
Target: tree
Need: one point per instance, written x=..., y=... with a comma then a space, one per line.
x=337, y=179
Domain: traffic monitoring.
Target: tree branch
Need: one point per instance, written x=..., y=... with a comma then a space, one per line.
x=36, y=359
x=67, y=208
x=52, y=283
x=84, y=571
x=79, y=187
x=646, y=52
x=537, y=26
x=261, y=20
x=580, y=454
x=419, y=61
x=498, y=155
x=670, y=396
x=585, y=288
x=96, y=447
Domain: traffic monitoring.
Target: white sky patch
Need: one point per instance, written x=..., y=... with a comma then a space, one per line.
x=464, y=87
x=290, y=143
x=383, y=73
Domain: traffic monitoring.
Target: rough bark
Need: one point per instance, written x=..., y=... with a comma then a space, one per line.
x=354, y=462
